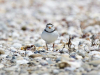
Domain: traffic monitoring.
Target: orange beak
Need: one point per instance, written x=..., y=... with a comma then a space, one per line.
x=49, y=27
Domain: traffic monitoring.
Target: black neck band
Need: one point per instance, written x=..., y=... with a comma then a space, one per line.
x=48, y=31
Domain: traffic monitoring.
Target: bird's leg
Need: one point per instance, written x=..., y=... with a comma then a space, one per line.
x=47, y=46
x=53, y=46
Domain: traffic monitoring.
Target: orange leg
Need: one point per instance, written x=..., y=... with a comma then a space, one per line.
x=53, y=46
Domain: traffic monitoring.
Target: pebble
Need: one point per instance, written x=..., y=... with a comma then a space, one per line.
x=86, y=67
x=22, y=61
x=62, y=65
x=78, y=57
x=93, y=73
x=43, y=63
x=31, y=63
x=82, y=53
x=3, y=26
x=1, y=66
x=1, y=46
x=55, y=71
x=35, y=55
x=13, y=49
x=58, y=59
x=17, y=45
x=69, y=68
x=2, y=52
x=8, y=56
x=46, y=74
x=38, y=59
x=15, y=34
x=65, y=50
x=49, y=60
x=73, y=55
x=94, y=62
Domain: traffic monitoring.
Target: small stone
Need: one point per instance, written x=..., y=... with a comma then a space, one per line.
x=24, y=28
x=22, y=48
x=2, y=52
x=43, y=51
x=62, y=65
x=13, y=57
x=40, y=43
x=22, y=61
x=3, y=26
x=35, y=55
x=65, y=57
x=37, y=45
x=80, y=69
x=49, y=61
x=37, y=52
x=1, y=66
x=10, y=39
x=78, y=73
x=17, y=45
x=15, y=34
x=39, y=48
x=59, y=47
x=12, y=61
x=43, y=63
x=38, y=59
x=94, y=62
x=93, y=73
x=46, y=74
x=61, y=51
x=86, y=67
x=78, y=57
x=55, y=71
x=73, y=55
x=69, y=68
x=1, y=46
x=65, y=50
x=31, y=63
x=82, y=53
x=8, y=56
x=58, y=59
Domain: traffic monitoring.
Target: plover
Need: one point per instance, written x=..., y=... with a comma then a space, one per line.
x=49, y=35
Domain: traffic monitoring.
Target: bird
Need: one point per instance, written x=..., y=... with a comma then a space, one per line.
x=49, y=35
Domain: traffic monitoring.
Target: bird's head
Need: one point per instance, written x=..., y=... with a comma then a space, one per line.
x=49, y=27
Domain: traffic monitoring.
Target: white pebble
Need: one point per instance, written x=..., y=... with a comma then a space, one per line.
x=17, y=45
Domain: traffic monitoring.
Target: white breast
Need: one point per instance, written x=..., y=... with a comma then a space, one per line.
x=49, y=37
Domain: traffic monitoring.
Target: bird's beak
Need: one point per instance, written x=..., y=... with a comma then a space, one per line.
x=49, y=27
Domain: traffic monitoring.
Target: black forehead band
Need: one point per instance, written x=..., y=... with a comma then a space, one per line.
x=49, y=24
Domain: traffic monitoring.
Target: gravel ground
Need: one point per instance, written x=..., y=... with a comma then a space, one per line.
x=23, y=51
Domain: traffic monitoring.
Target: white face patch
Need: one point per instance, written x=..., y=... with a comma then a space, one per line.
x=49, y=28
x=49, y=25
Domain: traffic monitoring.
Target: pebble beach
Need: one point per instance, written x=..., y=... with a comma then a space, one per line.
x=76, y=51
